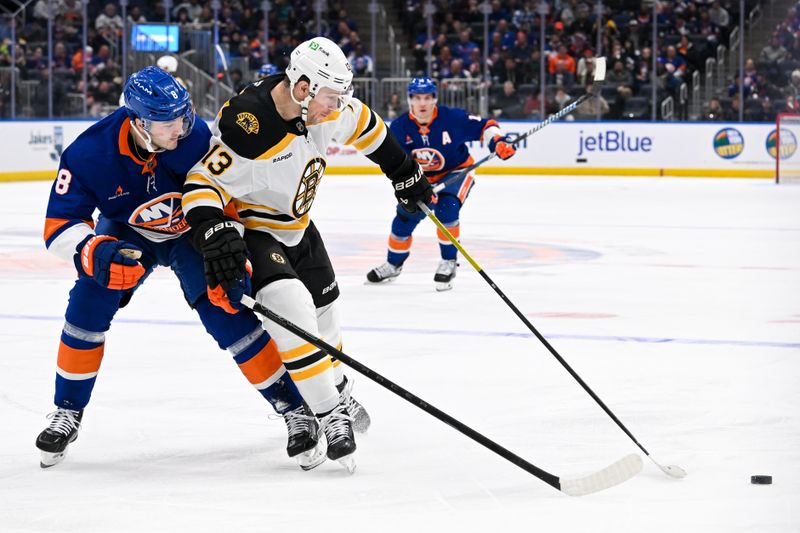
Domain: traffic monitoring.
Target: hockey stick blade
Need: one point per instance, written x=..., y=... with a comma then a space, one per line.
x=614, y=474
x=617, y=473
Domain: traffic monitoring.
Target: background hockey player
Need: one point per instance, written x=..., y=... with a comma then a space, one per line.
x=436, y=138
x=131, y=166
x=268, y=156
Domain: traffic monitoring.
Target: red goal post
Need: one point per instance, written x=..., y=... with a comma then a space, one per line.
x=783, y=146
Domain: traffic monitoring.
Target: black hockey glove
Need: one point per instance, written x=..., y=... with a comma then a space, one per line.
x=411, y=185
x=224, y=253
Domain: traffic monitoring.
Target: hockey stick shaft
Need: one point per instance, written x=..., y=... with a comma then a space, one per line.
x=527, y=323
x=566, y=110
x=506, y=454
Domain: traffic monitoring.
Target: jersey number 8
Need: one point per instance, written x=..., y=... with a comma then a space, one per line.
x=63, y=180
x=219, y=163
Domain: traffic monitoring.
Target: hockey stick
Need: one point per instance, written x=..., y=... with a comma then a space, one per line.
x=671, y=470
x=618, y=472
x=597, y=83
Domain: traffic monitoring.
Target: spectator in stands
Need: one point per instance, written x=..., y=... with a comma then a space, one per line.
x=561, y=62
x=560, y=99
x=79, y=57
x=464, y=46
x=774, y=53
x=193, y=9
x=764, y=113
x=457, y=69
x=714, y=113
x=394, y=107
x=732, y=112
x=522, y=49
x=509, y=103
x=109, y=23
x=590, y=108
x=509, y=70
x=619, y=75
x=532, y=106
x=135, y=16
x=719, y=15
x=361, y=62
x=585, y=69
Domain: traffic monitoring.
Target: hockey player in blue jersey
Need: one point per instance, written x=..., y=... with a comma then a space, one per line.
x=131, y=166
x=436, y=137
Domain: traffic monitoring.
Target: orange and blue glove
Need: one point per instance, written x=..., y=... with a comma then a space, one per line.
x=501, y=145
x=110, y=262
x=231, y=301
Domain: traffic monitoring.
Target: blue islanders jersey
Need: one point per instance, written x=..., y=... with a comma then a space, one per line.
x=440, y=146
x=102, y=170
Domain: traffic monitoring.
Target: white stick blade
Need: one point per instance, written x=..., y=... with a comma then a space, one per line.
x=621, y=471
x=599, y=69
x=673, y=471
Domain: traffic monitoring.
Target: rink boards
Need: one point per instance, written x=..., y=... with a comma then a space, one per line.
x=31, y=149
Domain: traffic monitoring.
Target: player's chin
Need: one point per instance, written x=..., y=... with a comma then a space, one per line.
x=170, y=145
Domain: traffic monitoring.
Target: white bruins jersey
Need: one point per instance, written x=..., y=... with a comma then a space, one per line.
x=271, y=168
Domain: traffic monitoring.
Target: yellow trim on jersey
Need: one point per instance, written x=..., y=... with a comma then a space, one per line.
x=369, y=139
x=241, y=205
x=276, y=149
x=226, y=104
x=198, y=195
x=199, y=179
x=362, y=121
x=254, y=223
x=315, y=370
x=333, y=116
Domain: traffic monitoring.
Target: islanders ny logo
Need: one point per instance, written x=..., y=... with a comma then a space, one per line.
x=728, y=143
x=161, y=215
x=429, y=159
x=788, y=144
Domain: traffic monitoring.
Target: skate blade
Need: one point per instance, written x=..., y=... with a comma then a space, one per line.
x=381, y=282
x=49, y=459
x=314, y=457
x=442, y=286
x=349, y=462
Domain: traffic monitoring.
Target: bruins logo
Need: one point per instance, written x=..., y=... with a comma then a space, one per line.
x=278, y=258
x=248, y=122
x=307, y=189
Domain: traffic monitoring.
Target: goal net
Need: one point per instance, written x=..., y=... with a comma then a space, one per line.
x=782, y=145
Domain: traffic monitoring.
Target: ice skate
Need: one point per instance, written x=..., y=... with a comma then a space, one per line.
x=304, y=442
x=53, y=441
x=338, y=428
x=361, y=420
x=445, y=274
x=384, y=272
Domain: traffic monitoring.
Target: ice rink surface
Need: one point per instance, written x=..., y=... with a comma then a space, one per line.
x=676, y=300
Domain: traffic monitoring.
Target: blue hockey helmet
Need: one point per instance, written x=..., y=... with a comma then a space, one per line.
x=153, y=95
x=267, y=69
x=423, y=85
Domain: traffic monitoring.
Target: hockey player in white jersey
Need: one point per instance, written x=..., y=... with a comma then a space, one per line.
x=267, y=158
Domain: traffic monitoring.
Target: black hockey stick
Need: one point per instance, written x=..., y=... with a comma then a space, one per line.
x=671, y=470
x=614, y=474
x=597, y=83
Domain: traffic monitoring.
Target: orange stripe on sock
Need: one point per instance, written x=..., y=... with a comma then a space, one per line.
x=308, y=373
x=262, y=365
x=75, y=361
x=397, y=245
x=455, y=231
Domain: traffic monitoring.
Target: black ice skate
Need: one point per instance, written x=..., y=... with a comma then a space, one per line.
x=338, y=428
x=54, y=440
x=361, y=420
x=304, y=442
x=385, y=272
x=445, y=274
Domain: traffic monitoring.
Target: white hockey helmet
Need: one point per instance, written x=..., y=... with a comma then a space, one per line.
x=325, y=65
x=167, y=63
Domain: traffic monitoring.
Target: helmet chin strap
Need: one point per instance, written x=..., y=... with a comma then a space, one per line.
x=145, y=137
x=303, y=104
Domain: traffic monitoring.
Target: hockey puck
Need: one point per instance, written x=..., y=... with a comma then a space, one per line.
x=761, y=480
